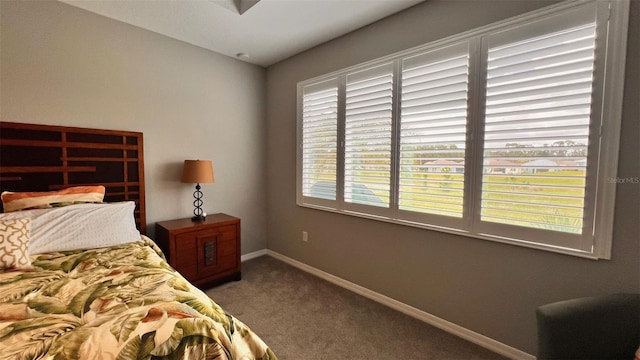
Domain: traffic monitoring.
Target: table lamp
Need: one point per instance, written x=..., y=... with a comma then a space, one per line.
x=197, y=171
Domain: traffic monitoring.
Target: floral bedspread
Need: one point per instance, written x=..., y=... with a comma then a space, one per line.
x=121, y=302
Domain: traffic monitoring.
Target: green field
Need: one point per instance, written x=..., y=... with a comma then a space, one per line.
x=550, y=200
x=546, y=200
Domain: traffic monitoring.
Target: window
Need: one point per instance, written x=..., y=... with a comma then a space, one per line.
x=433, y=131
x=497, y=133
x=320, y=140
x=367, y=137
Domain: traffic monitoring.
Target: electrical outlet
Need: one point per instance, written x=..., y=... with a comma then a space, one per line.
x=305, y=236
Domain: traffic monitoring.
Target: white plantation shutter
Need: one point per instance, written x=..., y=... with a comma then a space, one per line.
x=508, y=133
x=433, y=128
x=538, y=116
x=319, y=140
x=367, y=149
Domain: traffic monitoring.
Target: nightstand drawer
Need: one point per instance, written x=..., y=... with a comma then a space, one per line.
x=202, y=251
x=206, y=252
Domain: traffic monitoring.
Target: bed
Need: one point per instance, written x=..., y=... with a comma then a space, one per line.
x=78, y=277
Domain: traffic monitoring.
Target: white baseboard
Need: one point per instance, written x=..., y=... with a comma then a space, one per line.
x=474, y=337
x=253, y=255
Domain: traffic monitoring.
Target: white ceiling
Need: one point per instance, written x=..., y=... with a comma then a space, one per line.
x=268, y=30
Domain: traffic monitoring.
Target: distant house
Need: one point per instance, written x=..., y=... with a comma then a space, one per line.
x=497, y=166
x=572, y=165
x=580, y=165
x=445, y=166
x=540, y=166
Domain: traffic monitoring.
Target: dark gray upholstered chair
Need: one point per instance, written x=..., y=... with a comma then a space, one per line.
x=602, y=327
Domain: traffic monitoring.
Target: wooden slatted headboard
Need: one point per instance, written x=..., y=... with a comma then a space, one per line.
x=43, y=158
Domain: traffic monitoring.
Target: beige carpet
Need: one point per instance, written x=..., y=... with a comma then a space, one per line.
x=303, y=317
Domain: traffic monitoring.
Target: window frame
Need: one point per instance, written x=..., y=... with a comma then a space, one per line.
x=609, y=64
x=435, y=219
x=354, y=206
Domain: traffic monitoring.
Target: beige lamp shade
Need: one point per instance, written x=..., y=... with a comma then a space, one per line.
x=197, y=172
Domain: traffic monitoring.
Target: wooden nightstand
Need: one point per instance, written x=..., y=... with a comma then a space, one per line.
x=205, y=252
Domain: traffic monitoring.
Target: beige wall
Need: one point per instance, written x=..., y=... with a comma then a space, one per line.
x=487, y=287
x=66, y=66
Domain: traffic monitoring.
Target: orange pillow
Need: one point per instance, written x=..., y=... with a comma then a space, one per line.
x=14, y=201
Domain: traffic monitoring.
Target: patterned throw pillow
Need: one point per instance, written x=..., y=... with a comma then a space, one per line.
x=14, y=201
x=14, y=244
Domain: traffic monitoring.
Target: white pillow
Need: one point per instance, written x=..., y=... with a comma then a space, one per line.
x=81, y=226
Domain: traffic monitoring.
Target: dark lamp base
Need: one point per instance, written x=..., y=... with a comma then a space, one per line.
x=198, y=214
